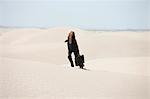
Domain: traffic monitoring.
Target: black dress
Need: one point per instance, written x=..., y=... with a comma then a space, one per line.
x=73, y=47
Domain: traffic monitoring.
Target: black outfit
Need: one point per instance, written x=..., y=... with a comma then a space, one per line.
x=73, y=47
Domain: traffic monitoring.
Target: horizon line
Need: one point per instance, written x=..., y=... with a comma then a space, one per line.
x=119, y=29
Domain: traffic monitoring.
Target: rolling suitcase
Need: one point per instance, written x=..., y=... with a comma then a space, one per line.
x=79, y=61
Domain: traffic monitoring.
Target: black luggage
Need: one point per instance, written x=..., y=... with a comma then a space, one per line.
x=79, y=61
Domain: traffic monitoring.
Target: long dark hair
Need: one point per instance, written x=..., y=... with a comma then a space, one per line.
x=73, y=35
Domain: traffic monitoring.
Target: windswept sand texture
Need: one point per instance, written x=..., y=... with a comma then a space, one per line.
x=34, y=64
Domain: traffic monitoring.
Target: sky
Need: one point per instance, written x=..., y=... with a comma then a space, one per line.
x=86, y=14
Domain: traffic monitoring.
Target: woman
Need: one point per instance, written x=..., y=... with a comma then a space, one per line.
x=72, y=47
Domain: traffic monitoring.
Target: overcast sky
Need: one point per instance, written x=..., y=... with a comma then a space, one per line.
x=87, y=14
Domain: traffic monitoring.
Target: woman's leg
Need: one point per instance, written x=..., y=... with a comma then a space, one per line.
x=76, y=54
x=70, y=59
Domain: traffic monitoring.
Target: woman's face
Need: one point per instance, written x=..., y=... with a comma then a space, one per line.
x=70, y=34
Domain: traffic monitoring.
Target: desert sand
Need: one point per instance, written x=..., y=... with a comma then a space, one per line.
x=34, y=64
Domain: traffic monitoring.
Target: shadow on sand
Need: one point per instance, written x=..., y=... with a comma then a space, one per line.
x=85, y=69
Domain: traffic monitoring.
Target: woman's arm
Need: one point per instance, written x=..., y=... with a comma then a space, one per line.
x=66, y=41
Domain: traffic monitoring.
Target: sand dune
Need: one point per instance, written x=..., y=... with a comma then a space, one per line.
x=34, y=64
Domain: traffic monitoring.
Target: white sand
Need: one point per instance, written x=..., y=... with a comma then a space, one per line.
x=34, y=65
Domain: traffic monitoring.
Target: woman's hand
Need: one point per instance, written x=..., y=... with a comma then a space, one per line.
x=66, y=41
